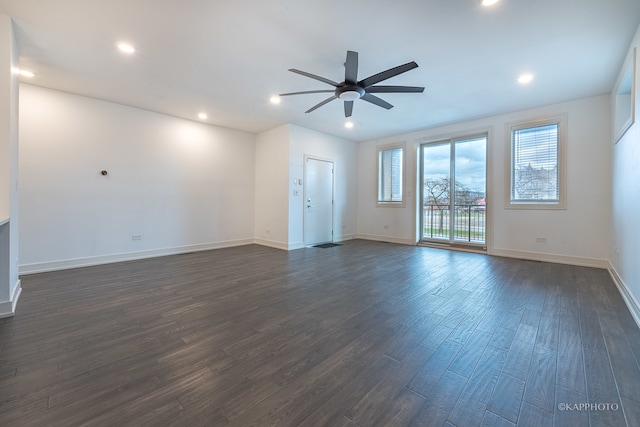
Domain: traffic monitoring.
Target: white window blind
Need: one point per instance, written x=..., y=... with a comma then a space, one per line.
x=390, y=175
x=535, y=175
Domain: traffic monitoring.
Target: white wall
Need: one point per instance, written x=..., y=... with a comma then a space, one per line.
x=182, y=185
x=9, y=282
x=625, y=233
x=577, y=235
x=271, y=189
x=305, y=142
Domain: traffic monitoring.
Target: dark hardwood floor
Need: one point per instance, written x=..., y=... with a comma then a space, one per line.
x=362, y=334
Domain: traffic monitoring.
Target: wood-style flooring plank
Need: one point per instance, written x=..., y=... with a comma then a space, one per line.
x=600, y=381
x=469, y=355
x=436, y=408
x=371, y=405
x=492, y=420
x=428, y=376
x=541, y=382
x=507, y=397
x=566, y=411
x=519, y=356
x=473, y=401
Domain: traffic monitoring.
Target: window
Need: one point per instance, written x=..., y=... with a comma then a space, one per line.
x=536, y=172
x=390, y=175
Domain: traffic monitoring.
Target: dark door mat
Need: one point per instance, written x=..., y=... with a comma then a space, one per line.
x=327, y=245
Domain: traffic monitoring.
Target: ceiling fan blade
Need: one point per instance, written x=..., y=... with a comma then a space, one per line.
x=351, y=68
x=377, y=101
x=326, y=101
x=348, y=108
x=305, y=92
x=391, y=72
x=313, y=76
x=394, y=89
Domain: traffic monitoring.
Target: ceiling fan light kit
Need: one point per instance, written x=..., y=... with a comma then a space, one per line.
x=351, y=94
x=351, y=89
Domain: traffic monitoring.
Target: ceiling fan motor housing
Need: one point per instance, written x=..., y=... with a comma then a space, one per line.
x=349, y=93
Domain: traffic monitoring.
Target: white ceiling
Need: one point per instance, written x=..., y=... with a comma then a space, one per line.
x=228, y=57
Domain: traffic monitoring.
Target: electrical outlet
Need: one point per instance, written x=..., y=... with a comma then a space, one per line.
x=386, y=227
x=541, y=240
x=136, y=237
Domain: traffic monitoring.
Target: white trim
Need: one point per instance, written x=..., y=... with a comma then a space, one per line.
x=8, y=308
x=294, y=246
x=627, y=296
x=452, y=172
x=562, y=121
x=345, y=237
x=305, y=190
x=396, y=204
x=388, y=239
x=628, y=67
x=272, y=244
x=127, y=256
x=556, y=258
x=297, y=245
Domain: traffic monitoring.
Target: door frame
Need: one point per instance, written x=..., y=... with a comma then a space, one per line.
x=304, y=195
x=452, y=139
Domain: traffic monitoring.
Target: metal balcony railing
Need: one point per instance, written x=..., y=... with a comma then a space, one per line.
x=469, y=223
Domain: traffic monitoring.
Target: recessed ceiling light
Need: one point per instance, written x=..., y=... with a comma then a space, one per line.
x=489, y=2
x=525, y=78
x=202, y=116
x=26, y=73
x=275, y=99
x=348, y=125
x=126, y=48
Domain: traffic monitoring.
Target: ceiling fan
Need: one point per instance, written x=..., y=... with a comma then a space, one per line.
x=352, y=89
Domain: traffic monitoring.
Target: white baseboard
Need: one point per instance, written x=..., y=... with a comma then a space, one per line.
x=297, y=245
x=627, y=296
x=559, y=259
x=272, y=244
x=43, y=267
x=128, y=256
x=388, y=239
x=8, y=308
x=294, y=246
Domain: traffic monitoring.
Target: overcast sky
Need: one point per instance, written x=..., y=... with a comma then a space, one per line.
x=470, y=163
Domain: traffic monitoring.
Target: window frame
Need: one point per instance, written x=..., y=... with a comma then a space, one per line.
x=397, y=203
x=560, y=204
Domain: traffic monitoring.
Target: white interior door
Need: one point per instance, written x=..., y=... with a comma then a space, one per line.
x=318, y=198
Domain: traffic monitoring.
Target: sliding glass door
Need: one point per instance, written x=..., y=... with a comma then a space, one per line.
x=453, y=194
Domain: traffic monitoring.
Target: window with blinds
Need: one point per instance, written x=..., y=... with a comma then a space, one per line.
x=390, y=174
x=536, y=166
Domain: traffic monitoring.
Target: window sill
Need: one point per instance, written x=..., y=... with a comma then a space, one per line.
x=391, y=204
x=538, y=206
